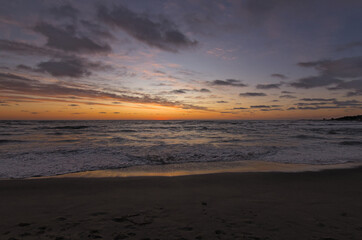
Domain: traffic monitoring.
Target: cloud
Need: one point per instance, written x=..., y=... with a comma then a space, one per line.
x=332, y=103
x=350, y=67
x=97, y=30
x=278, y=75
x=287, y=96
x=260, y=106
x=25, y=49
x=287, y=92
x=64, y=11
x=315, y=81
x=24, y=67
x=348, y=103
x=269, y=86
x=341, y=73
x=317, y=99
x=349, y=46
x=160, y=33
x=204, y=90
x=67, y=39
x=14, y=84
x=70, y=67
x=355, y=85
x=318, y=107
x=354, y=93
x=179, y=91
x=183, y=91
x=222, y=102
x=252, y=94
x=271, y=109
x=239, y=108
x=159, y=72
x=73, y=105
x=228, y=82
x=311, y=104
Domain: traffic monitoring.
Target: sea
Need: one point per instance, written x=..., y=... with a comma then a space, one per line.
x=48, y=148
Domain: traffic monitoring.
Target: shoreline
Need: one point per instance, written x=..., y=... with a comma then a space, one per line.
x=251, y=205
x=202, y=168
x=198, y=168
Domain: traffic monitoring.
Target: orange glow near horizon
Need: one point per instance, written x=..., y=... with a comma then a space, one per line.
x=60, y=110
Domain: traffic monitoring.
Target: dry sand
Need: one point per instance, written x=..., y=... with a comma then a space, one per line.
x=308, y=205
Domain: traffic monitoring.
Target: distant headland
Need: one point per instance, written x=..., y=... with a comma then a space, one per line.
x=347, y=118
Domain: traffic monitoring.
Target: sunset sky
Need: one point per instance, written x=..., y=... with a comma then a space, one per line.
x=192, y=59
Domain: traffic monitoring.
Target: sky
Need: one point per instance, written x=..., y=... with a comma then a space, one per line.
x=191, y=59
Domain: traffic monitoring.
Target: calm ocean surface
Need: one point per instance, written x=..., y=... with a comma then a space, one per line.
x=45, y=148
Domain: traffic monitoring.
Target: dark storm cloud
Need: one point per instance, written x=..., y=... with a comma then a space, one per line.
x=25, y=49
x=269, y=86
x=349, y=46
x=228, y=82
x=14, y=84
x=160, y=33
x=67, y=39
x=287, y=96
x=278, y=75
x=64, y=11
x=70, y=67
x=252, y=94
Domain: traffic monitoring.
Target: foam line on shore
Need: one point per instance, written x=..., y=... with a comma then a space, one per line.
x=174, y=170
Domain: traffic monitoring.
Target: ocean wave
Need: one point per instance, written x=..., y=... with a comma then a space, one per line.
x=54, y=147
x=71, y=127
x=63, y=127
x=126, y=130
x=5, y=141
x=351, y=143
x=304, y=136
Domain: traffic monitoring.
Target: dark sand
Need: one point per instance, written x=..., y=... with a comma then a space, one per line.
x=310, y=205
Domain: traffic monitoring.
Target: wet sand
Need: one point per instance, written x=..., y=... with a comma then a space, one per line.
x=305, y=205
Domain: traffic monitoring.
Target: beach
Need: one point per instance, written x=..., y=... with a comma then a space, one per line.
x=266, y=205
